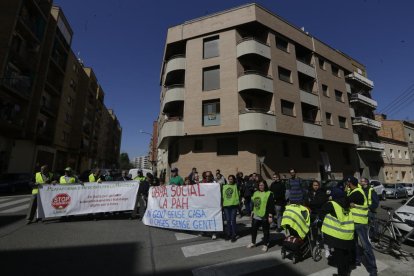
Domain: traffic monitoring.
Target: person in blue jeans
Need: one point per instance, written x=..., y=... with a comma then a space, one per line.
x=358, y=203
x=231, y=201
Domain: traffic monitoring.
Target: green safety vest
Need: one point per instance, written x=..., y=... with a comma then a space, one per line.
x=360, y=212
x=63, y=180
x=259, y=202
x=293, y=217
x=341, y=227
x=230, y=195
x=39, y=180
x=92, y=178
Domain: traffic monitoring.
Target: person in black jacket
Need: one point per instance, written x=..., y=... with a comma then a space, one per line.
x=141, y=204
x=278, y=189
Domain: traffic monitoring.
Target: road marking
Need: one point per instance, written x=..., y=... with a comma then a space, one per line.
x=360, y=271
x=14, y=202
x=219, y=245
x=15, y=209
x=184, y=236
x=243, y=266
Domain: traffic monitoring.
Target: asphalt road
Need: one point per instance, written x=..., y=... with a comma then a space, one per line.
x=115, y=245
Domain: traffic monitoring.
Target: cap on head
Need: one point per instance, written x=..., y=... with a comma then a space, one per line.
x=68, y=169
x=352, y=180
x=174, y=170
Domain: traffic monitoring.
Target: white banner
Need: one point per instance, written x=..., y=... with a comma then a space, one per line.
x=190, y=207
x=75, y=199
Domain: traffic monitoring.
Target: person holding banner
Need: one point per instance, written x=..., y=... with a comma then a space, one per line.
x=95, y=176
x=262, y=215
x=142, y=197
x=231, y=201
x=68, y=178
x=42, y=177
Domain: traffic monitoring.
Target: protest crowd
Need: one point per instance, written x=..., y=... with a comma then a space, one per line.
x=335, y=221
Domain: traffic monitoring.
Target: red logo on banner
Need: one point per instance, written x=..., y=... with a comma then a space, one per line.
x=61, y=201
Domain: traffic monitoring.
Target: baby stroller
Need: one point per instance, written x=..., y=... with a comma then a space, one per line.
x=299, y=249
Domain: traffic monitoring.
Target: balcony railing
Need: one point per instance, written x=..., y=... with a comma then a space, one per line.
x=173, y=94
x=18, y=83
x=254, y=80
x=361, y=79
x=176, y=62
x=371, y=146
x=251, y=45
x=305, y=68
x=172, y=127
x=257, y=119
x=363, y=99
x=364, y=121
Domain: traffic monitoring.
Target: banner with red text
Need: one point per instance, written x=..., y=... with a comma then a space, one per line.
x=190, y=207
x=75, y=199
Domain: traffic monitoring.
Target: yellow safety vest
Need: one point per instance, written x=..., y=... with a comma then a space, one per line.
x=370, y=196
x=230, y=195
x=140, y=178
x=39, y=180
x=341, y=227
x=259, y=200
x=92, y=178
x=360, y=212
x=292, y=216
x=63, y=180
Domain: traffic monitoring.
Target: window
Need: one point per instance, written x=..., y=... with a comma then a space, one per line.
x=68, y=118
x=70, y=101
x=342, y=122
x=392, y=153
x=329, y=118
x=227, y=146
x=309, y=113
x=339, y=96
x=325, y=90
x=322, y=63
x=409, y=138
x=285, y=145
x=288, y=108
x=399, y=154
x=211, y=78
x=65, y=136
x=406, y=154
x=198, y=145
x=211, y=47
x=282, y=44
x=72, y=84
x=285, y=74
x=211, y=113
x=335, y=71
x=305, y=150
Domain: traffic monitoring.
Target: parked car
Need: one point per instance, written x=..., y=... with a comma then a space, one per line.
x=395, y=190
x=410, y=188
x=12, y=182
x=406, y=213
x=379, y=189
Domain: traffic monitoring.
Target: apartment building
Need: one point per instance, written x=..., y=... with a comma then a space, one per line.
x=244, y=90
x=397, y=137
x=142, y=162
x=46, y=95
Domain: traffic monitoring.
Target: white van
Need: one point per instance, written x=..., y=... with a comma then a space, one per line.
x=134, y=172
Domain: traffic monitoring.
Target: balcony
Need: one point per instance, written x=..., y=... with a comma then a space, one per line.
x=359, y=98
x=361, y=79
x=173, y=127
x=250, y=45
x=19, y=84
x=173, y=94
x=253, y=80
x=309, y=98
x=366, y=122
x=305, y=69
x=370, y=146
x=175, y=63
x=256, y=119
x=312, y=130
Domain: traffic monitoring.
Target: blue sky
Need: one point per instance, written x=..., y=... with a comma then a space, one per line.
x=123, y=41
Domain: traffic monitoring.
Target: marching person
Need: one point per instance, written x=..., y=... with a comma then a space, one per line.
x=42, y=177
x=372, y=197
x=68, y=178
x=124, y=176
x=175, y=179
x=359, y=210
x=231, y=201
x=262, y=215
x=278, y=189
x=140, y=176
x=295, y=192
x=142, y=197
x=338, y=228
x=95, y=176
